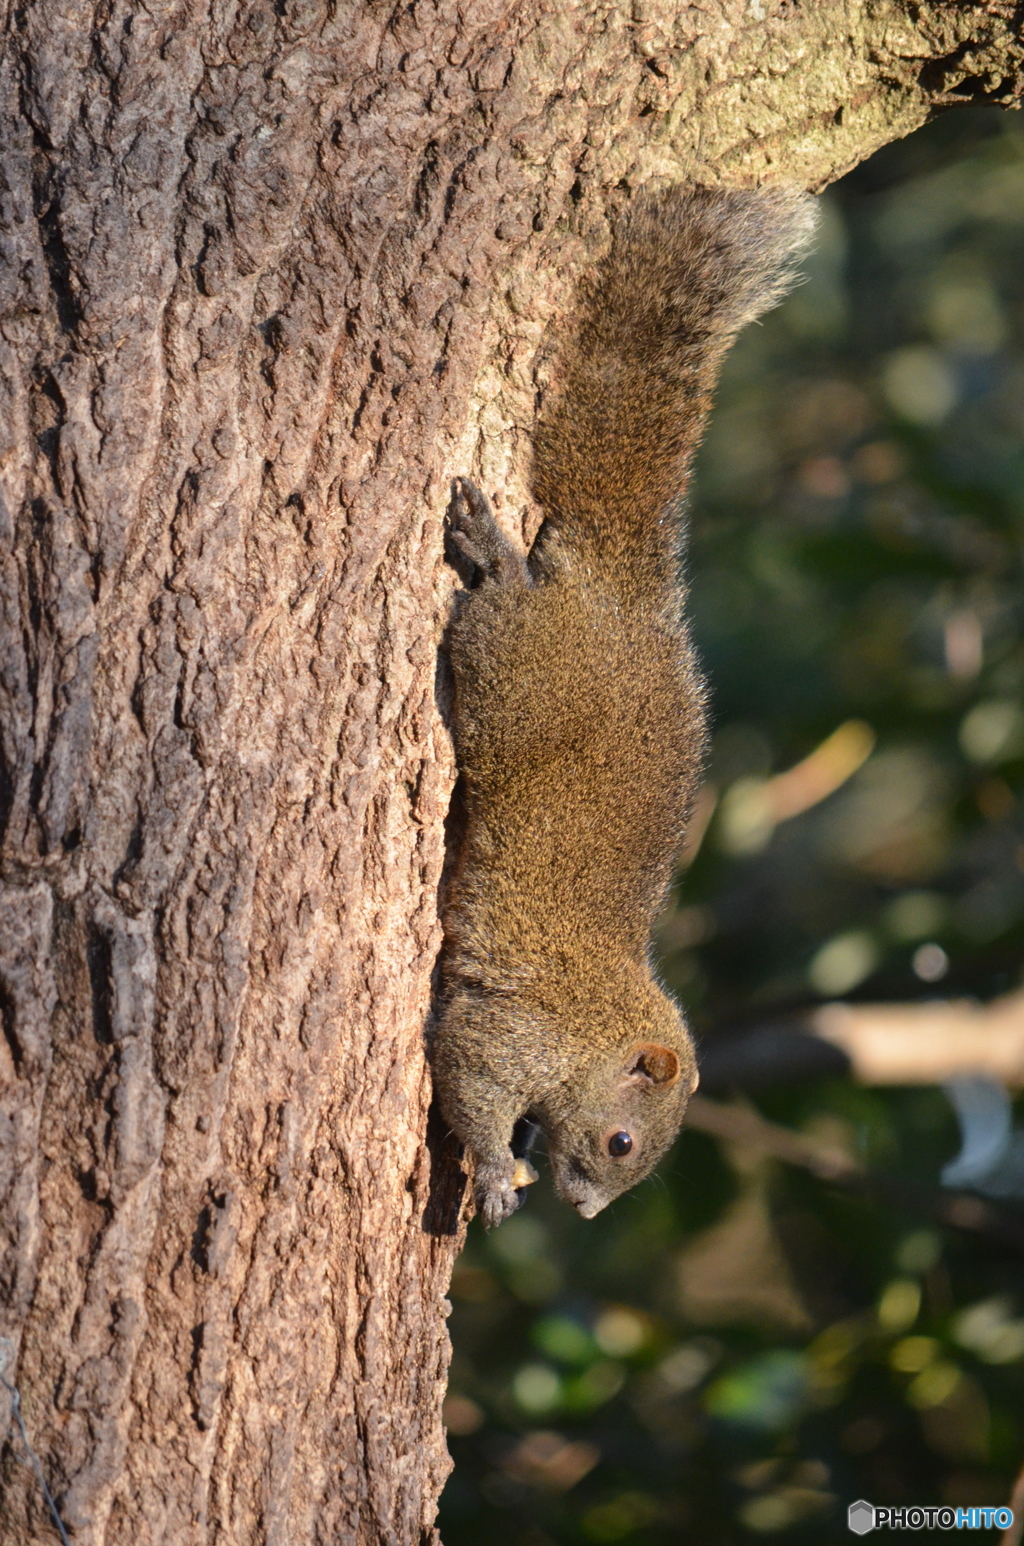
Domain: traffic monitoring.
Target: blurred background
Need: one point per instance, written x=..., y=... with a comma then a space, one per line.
x=820, y=1296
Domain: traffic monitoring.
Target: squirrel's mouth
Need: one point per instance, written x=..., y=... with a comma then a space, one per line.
x=587, y=1209
x=575, y=1187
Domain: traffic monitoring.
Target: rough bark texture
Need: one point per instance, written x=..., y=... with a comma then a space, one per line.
x=270, y=275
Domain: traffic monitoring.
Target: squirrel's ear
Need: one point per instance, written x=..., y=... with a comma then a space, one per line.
x=652, y=1065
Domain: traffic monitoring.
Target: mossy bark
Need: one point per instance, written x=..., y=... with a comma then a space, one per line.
x=270, y=276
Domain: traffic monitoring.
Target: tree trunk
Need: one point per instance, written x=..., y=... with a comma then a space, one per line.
x=271, y=275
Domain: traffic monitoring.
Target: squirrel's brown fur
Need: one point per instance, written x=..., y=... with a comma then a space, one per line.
x=579, y=716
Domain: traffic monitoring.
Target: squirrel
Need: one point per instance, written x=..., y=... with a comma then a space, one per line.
x=579, y=716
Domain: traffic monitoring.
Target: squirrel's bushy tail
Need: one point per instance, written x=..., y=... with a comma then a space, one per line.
x=687, y=269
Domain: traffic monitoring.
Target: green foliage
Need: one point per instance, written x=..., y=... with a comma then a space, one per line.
x=856, y=557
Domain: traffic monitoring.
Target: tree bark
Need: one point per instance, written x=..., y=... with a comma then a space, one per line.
x=270, y=276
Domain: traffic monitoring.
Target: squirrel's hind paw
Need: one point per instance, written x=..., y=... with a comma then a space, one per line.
x=478, y=541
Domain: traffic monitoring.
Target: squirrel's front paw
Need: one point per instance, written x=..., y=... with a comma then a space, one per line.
x=496, y=1197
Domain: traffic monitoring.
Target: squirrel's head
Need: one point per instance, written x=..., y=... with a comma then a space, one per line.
x=613, y=1130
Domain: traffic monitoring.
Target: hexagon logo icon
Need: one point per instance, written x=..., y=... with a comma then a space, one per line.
x=861, y=1517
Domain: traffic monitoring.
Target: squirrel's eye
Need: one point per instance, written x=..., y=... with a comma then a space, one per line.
x=619, y=1144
